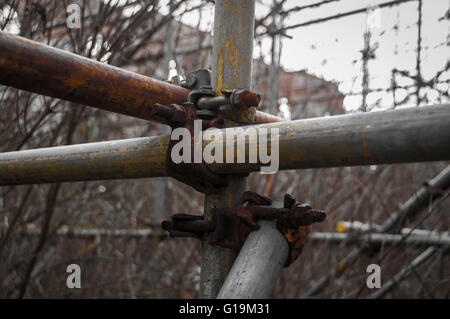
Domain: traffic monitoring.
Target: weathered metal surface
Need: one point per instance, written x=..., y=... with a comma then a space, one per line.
x=403, y=136
x=240, y=99
x=39, y=68
x=195, y=174
x=295, y=225
x=232, y=228
x=36, y=67
x=185, y=225
x=258, y=265
x=292, y=220
x=233, y=51
x=400, y=136
x=229, y=227
x=217, y=261
x=129, y=158
x=231, y=69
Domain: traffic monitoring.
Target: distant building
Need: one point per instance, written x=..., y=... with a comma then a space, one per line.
x=306, y=94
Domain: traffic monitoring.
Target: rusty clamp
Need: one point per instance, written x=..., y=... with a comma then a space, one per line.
x=204, y=105
x=229, y=227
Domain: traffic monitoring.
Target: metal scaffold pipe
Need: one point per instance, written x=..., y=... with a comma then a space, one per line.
x=39, y=68
x=42, y=69
x=131, y=158
x=402, y=136
x=232, y=59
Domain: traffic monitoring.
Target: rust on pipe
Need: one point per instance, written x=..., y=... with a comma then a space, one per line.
x=130, y=158
x=39, y=68
x=385, y=137
x=36, y=67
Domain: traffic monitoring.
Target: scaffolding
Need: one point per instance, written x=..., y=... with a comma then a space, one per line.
x=387, y=137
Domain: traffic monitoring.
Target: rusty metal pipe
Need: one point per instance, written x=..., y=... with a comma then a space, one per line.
x=39, y=68
x=162, y=111
x=402, y=136
x=267, y=212
x=213, y=102
x=232, y=58
x=398, y=136
x=131, y=158
x=36, y=67
x=295, y=217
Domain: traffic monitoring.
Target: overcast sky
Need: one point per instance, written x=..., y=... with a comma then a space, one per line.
x=330, y=49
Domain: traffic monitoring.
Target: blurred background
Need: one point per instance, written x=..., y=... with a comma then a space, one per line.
x=311, y=59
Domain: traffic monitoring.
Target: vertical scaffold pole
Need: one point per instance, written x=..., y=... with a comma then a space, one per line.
x=231, y=69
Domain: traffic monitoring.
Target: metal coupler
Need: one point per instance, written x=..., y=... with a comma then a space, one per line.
x=229, y=227
x=203, y=105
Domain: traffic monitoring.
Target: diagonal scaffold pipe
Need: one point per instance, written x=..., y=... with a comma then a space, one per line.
x=404, y=272
x=402, y=136
x=42, y=69
x=416, y=203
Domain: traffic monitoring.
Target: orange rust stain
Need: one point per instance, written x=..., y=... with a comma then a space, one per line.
x=342, y=266
x=365, y=145
x=219, y=72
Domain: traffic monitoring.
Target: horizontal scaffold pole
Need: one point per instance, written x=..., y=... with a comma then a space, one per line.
x=38, y=68
x=131, y=158
x=42, y=69
x=421, y=199
x=401, y=136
